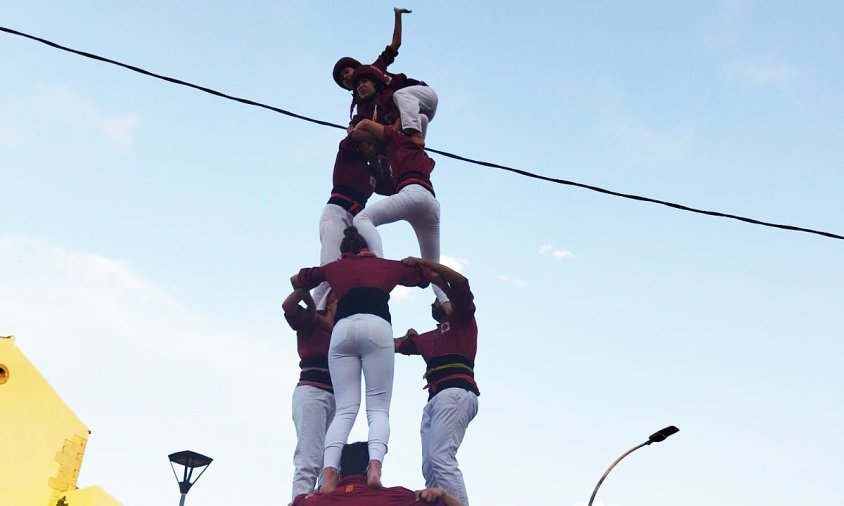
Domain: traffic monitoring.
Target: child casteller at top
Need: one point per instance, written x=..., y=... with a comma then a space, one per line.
x=384, y=97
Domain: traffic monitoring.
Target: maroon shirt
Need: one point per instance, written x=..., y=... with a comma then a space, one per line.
x=409, y=162
x=381, y=108
x=449, y=351
x=364, y=270
x=312, y=342
x=354, y=181
x=353, y=491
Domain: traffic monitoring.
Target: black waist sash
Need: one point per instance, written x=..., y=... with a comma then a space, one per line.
x=348, y=198
x=450, y=371
x=364, y=300
x=315, y=373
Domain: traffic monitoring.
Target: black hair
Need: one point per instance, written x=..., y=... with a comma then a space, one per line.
x=354, y=459
x=352, y=241
x=437, y=312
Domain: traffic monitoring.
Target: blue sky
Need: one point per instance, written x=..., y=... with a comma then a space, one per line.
x=147, y=233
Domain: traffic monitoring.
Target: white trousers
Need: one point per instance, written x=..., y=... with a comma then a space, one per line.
x=332, y=223
x=444, y=422
x=313, y=410
x=414, y=102
x=361, y=342
x=415, y=205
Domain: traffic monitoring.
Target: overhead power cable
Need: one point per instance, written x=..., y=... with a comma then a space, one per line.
x=443, y=153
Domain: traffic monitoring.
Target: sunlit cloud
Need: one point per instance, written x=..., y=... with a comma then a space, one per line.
x=556, y=253
x=80, y=111
x=74, y=309
x=458, y=264
x=753, y=74
x=512, y=281
x=130, y=358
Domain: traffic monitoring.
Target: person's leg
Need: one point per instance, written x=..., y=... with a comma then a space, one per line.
x=424, y=217
x=332, y=223
x=378, y=362
x=425, y=433
x=345, y=366
x=414, y=101
x=451, y=411
x=313, y=410
x=387, y=210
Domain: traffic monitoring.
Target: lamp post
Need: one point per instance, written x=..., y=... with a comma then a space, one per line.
x=189, y=461
x=656, y=437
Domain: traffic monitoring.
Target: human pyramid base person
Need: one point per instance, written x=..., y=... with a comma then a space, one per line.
x=345, y=328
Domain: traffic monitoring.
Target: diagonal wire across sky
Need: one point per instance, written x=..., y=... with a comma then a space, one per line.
x=279, y=110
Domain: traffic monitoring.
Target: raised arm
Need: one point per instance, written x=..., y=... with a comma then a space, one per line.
x=291, y=303
x=326, y=321
x=396, y=43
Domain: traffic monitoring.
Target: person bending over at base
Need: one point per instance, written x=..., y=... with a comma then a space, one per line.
x=352, y=489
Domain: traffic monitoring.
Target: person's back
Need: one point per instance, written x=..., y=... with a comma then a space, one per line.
x=353, y=491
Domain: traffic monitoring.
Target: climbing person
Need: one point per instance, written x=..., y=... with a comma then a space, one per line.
x=414, y=200
x=358, y=173
x=388, y=98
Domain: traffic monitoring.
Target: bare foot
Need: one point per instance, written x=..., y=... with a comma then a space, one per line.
x=373, y=474
x=415, y=136
x=329, y=480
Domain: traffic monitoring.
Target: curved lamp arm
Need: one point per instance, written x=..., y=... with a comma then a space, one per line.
x=656, y=437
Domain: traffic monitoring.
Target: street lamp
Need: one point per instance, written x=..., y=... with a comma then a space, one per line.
x=189, y=461
x=656, y=437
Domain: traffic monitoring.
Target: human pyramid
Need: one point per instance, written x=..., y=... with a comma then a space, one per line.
x=345, y=327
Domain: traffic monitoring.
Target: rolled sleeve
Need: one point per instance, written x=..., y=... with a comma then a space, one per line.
x=387, y=57
x=407, y=347
x=308, y=278
x=416, y=275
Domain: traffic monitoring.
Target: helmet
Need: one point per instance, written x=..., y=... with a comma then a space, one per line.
x=342, y=63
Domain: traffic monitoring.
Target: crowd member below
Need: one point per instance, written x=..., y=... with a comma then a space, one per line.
x=354, y=491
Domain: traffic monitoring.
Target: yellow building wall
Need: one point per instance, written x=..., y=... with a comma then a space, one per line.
x=42, y=442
